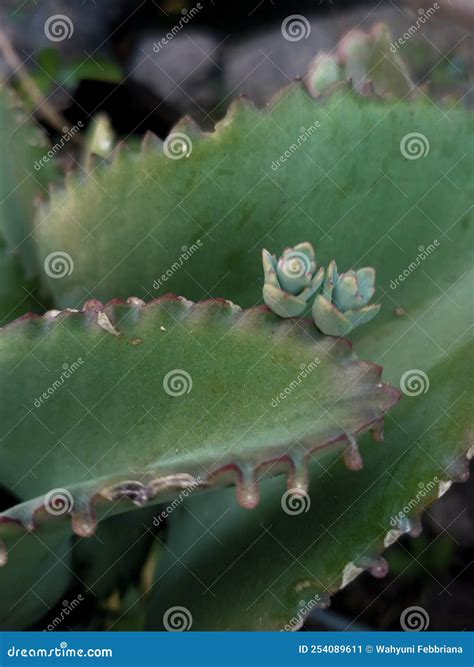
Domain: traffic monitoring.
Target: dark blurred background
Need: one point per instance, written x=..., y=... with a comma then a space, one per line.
x=227, y=48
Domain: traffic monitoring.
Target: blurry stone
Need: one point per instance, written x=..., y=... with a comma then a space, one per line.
x=91, y=21
x=185, y=72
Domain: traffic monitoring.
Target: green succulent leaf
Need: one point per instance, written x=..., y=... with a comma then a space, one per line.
x=146, y=225
x=127, y=402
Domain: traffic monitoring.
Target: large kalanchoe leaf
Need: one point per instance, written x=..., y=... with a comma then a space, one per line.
x=320, y=173
x=137, y=402
x=293, y=552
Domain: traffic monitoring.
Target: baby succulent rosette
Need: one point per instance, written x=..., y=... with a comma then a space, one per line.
x=291, y=281
x=342, y=304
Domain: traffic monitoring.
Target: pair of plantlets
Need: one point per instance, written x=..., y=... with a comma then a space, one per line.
x=340, y=299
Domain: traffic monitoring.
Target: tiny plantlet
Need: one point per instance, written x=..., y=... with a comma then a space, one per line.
x=342, y=304
x=291, y=281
